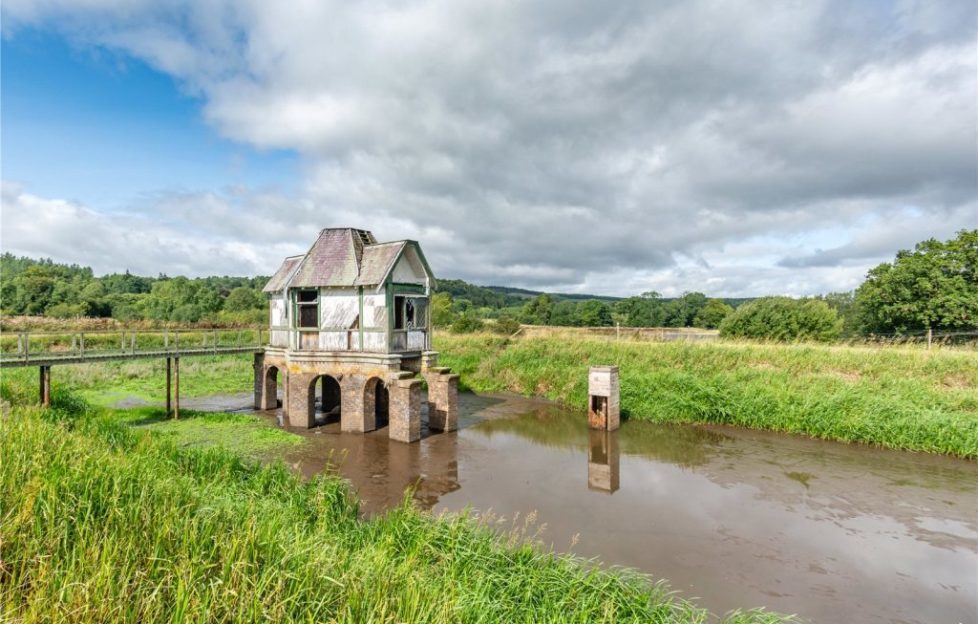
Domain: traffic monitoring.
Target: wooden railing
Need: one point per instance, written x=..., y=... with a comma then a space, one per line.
x=30, y=347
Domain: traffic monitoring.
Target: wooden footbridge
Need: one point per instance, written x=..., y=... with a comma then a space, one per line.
x=47, y=349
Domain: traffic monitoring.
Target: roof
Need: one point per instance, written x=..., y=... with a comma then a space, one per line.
x=281, y=277
x=342, y=257
x=377, y=262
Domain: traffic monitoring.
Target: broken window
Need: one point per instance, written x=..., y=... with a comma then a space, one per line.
x=307, y=304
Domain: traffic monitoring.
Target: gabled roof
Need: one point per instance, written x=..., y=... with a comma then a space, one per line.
x=377, y=262
x=342, y=257
x=281, y=277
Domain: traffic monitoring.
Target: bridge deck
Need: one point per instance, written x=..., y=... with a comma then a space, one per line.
x=19, y=349
x=51, y=359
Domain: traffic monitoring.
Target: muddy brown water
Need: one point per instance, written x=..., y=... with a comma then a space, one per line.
x=734, y=518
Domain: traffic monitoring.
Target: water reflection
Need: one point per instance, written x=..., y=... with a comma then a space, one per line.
x=603, y=467
x=834, y=532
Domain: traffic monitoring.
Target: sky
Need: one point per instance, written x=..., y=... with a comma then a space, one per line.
x=733, y=148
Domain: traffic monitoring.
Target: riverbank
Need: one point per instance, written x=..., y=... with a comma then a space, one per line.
x=903, y=398
x=105, y=521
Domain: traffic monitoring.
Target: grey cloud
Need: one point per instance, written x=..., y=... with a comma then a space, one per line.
x=574, y=145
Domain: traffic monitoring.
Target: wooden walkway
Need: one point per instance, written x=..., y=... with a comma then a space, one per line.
x=47, y=349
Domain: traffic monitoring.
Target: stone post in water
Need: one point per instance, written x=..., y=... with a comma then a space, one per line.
x=603, y=398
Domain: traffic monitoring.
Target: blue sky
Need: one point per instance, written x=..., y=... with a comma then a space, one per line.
x=103, y=128
x=614, y=149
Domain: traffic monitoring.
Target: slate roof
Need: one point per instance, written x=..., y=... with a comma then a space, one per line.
x=377, y=261
x=281, y=277
x=340, y=257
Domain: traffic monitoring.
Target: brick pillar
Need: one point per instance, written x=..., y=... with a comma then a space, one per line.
x=301, y=398
x=259, y=370
x=354, y=415
x=405, y=410
x=442, y=399
x=604, y=411
x=269, y=388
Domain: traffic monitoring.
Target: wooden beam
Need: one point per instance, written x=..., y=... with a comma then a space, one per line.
x=45, y=389
x=169, y=392
x=176, y=388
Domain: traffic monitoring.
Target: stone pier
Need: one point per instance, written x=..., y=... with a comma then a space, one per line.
x=371, y=391
x=603, y=398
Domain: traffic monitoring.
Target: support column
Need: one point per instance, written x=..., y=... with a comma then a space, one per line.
x=442, y=399
x=169, y=392
x=45, y=386
x=353, y=413
x=405, y=410
x=176, y=388
x=301, y=400
x=259, y=371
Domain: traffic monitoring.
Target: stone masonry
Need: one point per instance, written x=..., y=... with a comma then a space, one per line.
x=603, y=398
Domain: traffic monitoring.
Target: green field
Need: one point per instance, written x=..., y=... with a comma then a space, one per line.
x=905, y=398
x=111, y=516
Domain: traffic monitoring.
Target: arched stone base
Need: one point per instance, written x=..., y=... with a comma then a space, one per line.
x=362, y=379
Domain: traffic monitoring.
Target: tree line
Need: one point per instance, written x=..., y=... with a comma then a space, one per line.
x=932, y=287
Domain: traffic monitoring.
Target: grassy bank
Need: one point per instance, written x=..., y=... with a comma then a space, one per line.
x=102, y=521
x=905, y=398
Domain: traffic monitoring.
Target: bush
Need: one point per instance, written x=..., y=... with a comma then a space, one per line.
x=466, y=324
x=506, y=325
x=784, y=319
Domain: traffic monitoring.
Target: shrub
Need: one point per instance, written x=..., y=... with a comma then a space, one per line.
x=784, y=319
x=506, y=325
x=467, y=323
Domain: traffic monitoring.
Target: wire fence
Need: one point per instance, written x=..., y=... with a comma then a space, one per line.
x=926, y=339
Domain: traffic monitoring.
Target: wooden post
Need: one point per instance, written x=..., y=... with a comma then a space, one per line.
x=930, y=337
x=168, y=390
x=45, y=393
x=176, y=388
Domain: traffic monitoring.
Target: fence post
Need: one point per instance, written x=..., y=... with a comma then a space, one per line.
x=82, y=343
x=930, y=337
x=166, y=339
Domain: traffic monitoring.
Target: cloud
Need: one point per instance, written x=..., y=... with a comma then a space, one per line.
x=578, y=146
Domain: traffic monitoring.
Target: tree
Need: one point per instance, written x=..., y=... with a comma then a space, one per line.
x=784, y=319
x=593, y=313
x=537, y=311
x=681, y=311
x=935, y=286
x=441, y=309
x=644, y=311
x=846, y=306
x=242, y=299
x=712, y=314
x=564, y=314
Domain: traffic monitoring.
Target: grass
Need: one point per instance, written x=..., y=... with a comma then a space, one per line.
x=103, y=521
x=904, y=398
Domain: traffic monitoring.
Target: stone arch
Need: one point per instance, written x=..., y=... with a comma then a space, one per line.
x=326, y=388
x=269, y=395
x=376, y=401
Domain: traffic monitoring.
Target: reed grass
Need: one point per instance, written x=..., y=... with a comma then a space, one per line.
x=104, y=522
x=905, y=398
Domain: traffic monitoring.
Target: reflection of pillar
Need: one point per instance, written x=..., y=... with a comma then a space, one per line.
x=602, y=461
x=405, y=410
x=259, y=370
x=442, y=399
x=603, y=398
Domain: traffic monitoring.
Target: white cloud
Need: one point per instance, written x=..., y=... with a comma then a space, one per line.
x=576, y=146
